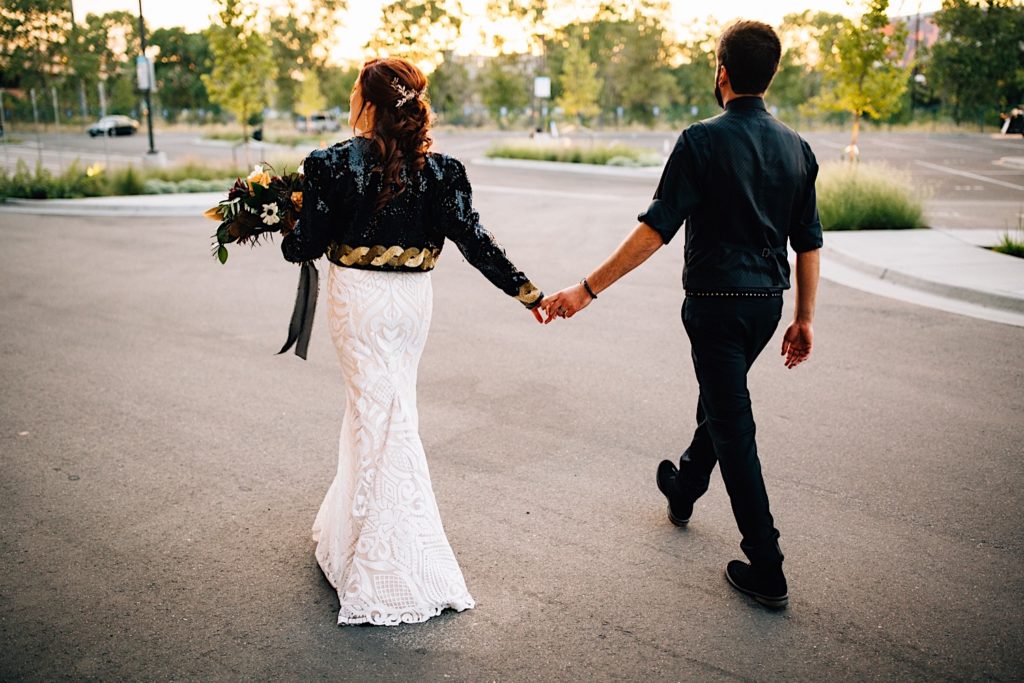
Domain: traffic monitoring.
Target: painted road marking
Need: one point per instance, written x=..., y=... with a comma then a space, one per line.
x=560, y=194
x=968, y=174
x=955, y=145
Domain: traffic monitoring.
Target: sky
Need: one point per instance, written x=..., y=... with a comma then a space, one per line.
x=363, y=15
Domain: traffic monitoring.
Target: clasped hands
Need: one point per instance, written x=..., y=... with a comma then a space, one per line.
x=564, y=304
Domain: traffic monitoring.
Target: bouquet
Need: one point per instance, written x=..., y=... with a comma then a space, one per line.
x=258, y=206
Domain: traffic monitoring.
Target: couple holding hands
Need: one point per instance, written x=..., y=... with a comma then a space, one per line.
x=380, y=206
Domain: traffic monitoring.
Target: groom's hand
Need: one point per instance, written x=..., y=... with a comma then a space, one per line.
x=797, y=343
x=566, y=303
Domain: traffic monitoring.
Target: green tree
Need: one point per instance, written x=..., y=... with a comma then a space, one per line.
x=242, y=63
x=580, y=85
x=806, y=38
x=504, y=87
x=310, y=98
x=121, y=95
x=862, y=74
x=636, y=72
x=182, y=59
x=98, y=51
x=420, y=31
x=450, y=89
x=299, y=32
x=33, y=42
x=337, y=82
x=978, y=66
x=628, y=42
x=695, y=74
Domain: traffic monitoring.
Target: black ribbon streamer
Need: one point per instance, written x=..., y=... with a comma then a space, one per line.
x=301, y=326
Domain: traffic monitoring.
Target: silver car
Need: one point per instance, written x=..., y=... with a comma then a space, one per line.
x=317, y=123
x=114, y=125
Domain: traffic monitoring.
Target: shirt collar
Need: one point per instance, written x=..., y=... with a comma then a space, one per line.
x=746, y=102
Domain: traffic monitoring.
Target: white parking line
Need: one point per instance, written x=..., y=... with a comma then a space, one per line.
x=827, y=143
x=891, y=145
x=968, y=174
x=560, y=194
x=955, y=145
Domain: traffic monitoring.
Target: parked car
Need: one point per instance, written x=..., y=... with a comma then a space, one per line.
x=317, y=123
x=114, y=125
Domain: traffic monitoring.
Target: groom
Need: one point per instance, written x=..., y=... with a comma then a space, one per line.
x=743, y=184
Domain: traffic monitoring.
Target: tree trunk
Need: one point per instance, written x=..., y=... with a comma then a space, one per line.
x=852, y=149
x=245, y=138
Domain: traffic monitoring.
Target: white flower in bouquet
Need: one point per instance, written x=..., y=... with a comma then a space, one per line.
x=269, y=215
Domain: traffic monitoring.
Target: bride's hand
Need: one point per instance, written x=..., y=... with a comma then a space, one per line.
x=536, y=314
x=566, y=303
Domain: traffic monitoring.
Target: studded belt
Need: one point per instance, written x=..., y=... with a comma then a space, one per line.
x=762, y=294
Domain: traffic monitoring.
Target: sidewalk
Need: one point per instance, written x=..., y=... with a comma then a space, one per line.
x=949, y=270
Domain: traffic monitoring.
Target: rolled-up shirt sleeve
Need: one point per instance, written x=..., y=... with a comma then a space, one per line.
x=678, y=192
x=805, y=233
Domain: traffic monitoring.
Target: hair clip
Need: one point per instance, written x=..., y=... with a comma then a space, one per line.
x=406, y=93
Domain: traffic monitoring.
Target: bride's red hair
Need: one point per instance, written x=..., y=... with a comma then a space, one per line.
x=400, y=132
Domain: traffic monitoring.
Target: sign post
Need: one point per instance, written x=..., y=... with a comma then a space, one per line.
x=144, y=75
x=35, y=120
x=3, y=129
x=542, y=91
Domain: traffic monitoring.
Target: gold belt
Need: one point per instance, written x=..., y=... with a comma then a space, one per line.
x=412, y=258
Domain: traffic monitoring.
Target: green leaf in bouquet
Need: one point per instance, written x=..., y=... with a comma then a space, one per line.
x=223, y=237
x=222, y=253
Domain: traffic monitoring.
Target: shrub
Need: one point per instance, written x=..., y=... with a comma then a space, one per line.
x=40, y=183
x=867, y=197
x=604, y=155
x=160, y=186
x=126, y=181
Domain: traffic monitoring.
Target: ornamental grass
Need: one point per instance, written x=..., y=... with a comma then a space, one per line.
x=868, y=196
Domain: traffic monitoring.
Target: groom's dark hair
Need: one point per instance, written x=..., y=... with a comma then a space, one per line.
x=750, y=52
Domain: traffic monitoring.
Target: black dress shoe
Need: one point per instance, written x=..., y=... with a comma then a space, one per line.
x=768, y=587
x=679, y=508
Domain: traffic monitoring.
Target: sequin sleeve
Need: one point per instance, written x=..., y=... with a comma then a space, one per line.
x=312, y=233
x=461, y=224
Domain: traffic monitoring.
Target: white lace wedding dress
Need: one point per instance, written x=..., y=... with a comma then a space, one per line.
x=380, y=541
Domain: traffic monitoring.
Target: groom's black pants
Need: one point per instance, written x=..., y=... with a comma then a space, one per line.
x=726, y=335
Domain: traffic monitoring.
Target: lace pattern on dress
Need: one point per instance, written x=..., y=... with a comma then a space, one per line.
x=380, y=540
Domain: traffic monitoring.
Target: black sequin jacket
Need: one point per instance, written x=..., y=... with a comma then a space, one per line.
x=337, y=218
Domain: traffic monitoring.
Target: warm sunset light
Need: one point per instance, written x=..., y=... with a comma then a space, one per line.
x=511, y=340
x=479, y=30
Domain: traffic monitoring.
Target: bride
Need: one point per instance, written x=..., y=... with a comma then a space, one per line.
x=380, y=206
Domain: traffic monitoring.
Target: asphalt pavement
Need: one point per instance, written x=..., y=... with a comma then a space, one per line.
x=163, y=467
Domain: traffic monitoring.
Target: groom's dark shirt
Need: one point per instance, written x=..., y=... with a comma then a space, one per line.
x=744, y=184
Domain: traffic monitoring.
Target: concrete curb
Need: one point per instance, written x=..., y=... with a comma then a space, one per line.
x=973, y=296
x=147, y=205
x=564, y=167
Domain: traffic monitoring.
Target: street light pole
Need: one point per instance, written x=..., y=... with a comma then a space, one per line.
x=149, y=88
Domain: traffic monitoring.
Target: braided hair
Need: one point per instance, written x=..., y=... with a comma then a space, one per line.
x=401, y=128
